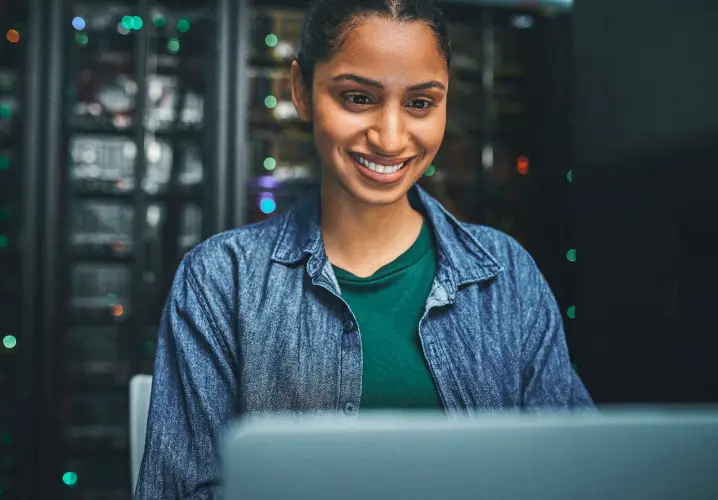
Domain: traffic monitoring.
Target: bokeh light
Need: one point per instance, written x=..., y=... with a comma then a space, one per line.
x=267, y=206
x=4, y=163
x=136, y=22
x=271, y=40
x=183, y=25
x=118, y=310
x=522, y=165
x=9, y=341
x=4, y=242
x=270, y=101
x=430, y=171
x=173, y=45
x=270, y=163
x=81, y=38
x=159, y=20
x=13, y=36
x=569, y=176
x=571, y=255
x=127, y=22
x=571, y=312
x=78, y=23
x=69, y=478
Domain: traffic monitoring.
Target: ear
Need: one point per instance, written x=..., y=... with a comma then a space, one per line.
x=301, y=96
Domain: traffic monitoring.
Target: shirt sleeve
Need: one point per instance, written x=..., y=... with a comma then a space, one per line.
x=550, y=382
x=193, y=395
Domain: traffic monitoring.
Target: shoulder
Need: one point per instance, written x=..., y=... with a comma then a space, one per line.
x=518, y=267
x=507, y=251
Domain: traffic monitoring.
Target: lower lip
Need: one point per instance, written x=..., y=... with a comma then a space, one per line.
x=383, y=178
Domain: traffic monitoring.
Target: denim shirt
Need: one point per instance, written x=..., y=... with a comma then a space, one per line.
x=255, y=323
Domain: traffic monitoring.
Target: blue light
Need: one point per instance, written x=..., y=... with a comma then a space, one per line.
x=267, y=206
x=78, y=23
x=522, y=22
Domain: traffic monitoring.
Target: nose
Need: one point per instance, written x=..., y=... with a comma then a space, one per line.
x=388, y=134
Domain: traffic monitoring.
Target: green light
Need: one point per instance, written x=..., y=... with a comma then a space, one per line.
x=571, y=312
x=9, y=342
x=271, y=40
x=81, y=38
x=6, y=438
x=4, y=162
x=136, y=22
x=4, y=214
x=430, y=171
x=571, y=255
x=270, y=101
x=127, y=22
x=158, y=20
x=5, y=111
x=173, y=45
x=69, y=478
x=569, y=176
x=4, y=241
x=183, y=25
x=270, y=163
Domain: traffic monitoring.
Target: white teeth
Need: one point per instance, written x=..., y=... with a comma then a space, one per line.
x=381, y=169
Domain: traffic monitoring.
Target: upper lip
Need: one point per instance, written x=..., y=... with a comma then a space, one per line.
x=383, y=160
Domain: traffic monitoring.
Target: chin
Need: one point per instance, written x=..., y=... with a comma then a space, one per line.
x=376, y=197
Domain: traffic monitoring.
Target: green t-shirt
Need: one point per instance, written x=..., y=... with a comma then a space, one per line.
x=388, y=307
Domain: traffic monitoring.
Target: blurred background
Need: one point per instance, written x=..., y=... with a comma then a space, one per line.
x=132, y=130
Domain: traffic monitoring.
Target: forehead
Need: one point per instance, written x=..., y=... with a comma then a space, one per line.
x=392, y=50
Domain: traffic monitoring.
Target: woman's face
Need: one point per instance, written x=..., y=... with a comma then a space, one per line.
x=378, y=108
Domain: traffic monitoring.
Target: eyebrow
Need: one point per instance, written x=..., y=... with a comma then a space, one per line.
x=373, y=83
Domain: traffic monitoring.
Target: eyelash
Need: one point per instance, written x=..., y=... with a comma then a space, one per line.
x=349, y=99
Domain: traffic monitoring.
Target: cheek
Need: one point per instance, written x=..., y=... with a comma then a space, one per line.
x=333, y=125
x=429, y=132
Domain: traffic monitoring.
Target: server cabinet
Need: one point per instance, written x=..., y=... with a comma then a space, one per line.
x=136, y=195
x=13, y=51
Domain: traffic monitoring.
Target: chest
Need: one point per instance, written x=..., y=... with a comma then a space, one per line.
x=301, y=349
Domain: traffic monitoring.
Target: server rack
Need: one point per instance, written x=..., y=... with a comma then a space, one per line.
x=13, y=77
x=138, y=187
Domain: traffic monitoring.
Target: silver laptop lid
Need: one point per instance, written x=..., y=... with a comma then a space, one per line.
x=639, y=454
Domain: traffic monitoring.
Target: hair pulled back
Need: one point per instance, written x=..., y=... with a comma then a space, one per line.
x=328, y=23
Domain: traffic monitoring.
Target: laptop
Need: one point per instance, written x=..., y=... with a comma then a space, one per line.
x=615, y=454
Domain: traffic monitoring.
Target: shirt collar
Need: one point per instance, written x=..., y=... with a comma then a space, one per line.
x=462, y=259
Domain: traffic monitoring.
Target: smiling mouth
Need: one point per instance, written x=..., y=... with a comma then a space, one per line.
x=378, y=167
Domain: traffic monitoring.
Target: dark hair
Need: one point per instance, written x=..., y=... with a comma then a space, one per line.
x=328, y=22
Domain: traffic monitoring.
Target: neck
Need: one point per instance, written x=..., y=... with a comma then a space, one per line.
x=361, y=238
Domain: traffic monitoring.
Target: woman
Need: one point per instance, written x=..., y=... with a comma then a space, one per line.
x=268, y=317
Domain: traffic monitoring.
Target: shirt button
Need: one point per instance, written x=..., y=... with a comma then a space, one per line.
x=349, y=408
x=348, y=325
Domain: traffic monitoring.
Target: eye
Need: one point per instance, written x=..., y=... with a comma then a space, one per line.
x=420, y=104
x=358, y=99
